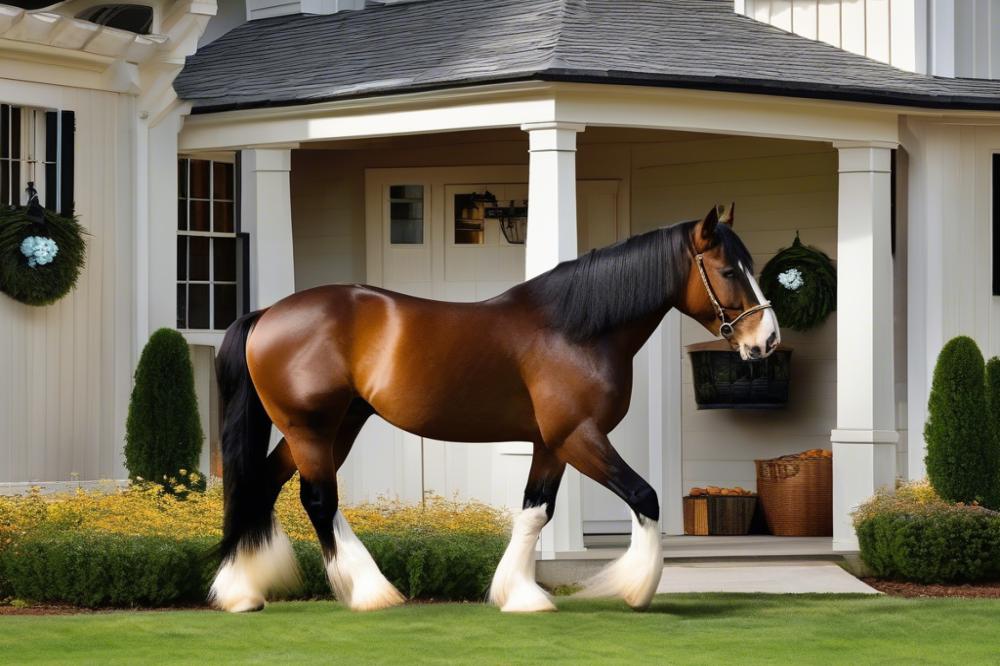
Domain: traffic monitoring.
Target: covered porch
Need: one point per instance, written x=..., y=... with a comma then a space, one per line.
x=596, y=164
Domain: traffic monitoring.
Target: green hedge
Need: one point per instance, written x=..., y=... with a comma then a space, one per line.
x=102, y=569
x=932, y=544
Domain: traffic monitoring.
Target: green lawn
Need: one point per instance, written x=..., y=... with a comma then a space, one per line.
x=688, y=629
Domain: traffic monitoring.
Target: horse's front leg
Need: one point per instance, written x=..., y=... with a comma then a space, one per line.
x=514, y=588
x=636, y=574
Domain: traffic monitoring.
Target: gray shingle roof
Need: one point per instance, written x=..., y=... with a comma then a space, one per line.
x=431, y=44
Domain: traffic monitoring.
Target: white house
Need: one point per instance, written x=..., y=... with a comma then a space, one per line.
x=326, y=141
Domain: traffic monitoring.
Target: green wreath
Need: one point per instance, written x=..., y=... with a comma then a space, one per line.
x=801, y=283
x=41, y=254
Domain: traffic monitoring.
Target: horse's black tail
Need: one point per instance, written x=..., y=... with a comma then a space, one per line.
x=246, y=432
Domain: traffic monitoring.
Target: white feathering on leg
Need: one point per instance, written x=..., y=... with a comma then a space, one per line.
x=635, y=575
x=514, y=588
x=354, y=576
x=244, y=581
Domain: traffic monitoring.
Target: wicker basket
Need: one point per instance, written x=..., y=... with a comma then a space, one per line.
x=796, y=496
x=718, y=515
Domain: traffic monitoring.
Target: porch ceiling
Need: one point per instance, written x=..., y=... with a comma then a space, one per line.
x=434, y=44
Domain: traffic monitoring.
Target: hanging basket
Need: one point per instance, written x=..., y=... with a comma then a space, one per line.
x=722, y=380
x=41, y=254
x=801, y=283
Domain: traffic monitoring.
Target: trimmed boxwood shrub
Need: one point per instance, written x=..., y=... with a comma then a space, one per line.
x=962, y=459
x=95, y=569
x=163, y=431
x=916, y=536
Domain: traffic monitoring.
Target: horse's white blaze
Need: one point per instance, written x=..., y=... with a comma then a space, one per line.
x=354, y=576
x=768, y=324
x=244, y=581
x=514, y=588
x=635, y=575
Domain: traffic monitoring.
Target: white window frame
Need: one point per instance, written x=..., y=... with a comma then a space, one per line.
x=32, y=162
x=211, y=283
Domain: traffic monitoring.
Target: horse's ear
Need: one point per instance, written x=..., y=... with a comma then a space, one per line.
x=728, y=214
x=704, y=232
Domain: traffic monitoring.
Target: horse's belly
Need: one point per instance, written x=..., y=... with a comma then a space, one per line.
x=460, y=414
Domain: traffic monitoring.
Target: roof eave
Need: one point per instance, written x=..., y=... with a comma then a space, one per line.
x=790, y=89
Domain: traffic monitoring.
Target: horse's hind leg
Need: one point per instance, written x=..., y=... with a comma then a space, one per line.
x=636, y=574
x=353, y=574
x=514, y=588
x=245, y=579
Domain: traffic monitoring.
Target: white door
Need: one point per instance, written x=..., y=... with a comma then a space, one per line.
x=427, y=238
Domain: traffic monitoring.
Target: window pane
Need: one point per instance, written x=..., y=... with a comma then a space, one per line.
x=469, y=220
x=406, y=192
x=5, y=183
x=4, y=130
x=198, y=266
x=406, y=214
x=225, y=306
x=407, y=232
x=182, y=257
x=182, y=306
x=200, y=216
x=200, y=176
x=198, y=306
x=15, y=134
x=225, y=259
x=223, y=175
x=223, y=216
x=182, y=183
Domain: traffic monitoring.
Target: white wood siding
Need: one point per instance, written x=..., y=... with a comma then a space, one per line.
x=66, y=368
x=942, y=37
x=950, y=240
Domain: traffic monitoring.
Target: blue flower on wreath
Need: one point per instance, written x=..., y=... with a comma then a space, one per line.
x=39, y=250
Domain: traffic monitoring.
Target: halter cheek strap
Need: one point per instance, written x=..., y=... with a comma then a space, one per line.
x=726, y=328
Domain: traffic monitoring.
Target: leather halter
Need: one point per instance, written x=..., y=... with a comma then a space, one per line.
x=726, y=328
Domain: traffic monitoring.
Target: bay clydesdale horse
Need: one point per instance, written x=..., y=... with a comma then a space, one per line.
x=549, y=362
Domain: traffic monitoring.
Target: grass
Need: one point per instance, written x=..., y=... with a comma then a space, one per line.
x=686, y=629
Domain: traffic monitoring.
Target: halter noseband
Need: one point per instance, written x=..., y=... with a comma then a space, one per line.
x=726, y=328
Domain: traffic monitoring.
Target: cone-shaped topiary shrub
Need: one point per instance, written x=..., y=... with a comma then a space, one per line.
x=163, y=433
x=961, y=462
x=993, y=414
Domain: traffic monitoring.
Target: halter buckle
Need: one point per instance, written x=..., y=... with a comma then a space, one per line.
x=726, y=330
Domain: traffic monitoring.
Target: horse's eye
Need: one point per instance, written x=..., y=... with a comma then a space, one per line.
x=729, y=273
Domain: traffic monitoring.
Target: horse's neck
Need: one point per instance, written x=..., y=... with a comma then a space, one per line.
x=632, y=335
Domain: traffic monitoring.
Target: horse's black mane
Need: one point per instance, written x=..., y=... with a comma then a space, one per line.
x=629, y=280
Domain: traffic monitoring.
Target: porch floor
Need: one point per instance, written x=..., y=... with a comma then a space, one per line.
x=606, y=546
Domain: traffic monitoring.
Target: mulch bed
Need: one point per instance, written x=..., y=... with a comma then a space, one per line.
x=987, y=590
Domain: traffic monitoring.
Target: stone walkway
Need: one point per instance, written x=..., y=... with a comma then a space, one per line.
x=768, y=577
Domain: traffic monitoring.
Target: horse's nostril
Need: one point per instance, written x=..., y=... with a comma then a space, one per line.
x=771, y=340
x=755, y=352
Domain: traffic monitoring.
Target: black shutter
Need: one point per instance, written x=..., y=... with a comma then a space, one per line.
x=60, y=144
x=51, y=159
x=66, y=160
x=996, y=224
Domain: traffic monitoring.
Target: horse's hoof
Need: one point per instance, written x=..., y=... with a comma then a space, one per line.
x=248, y=605
x=528, y=597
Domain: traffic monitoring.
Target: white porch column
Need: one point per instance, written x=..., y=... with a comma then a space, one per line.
x=552, y=238
x=864, y=443
x=266, y=214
